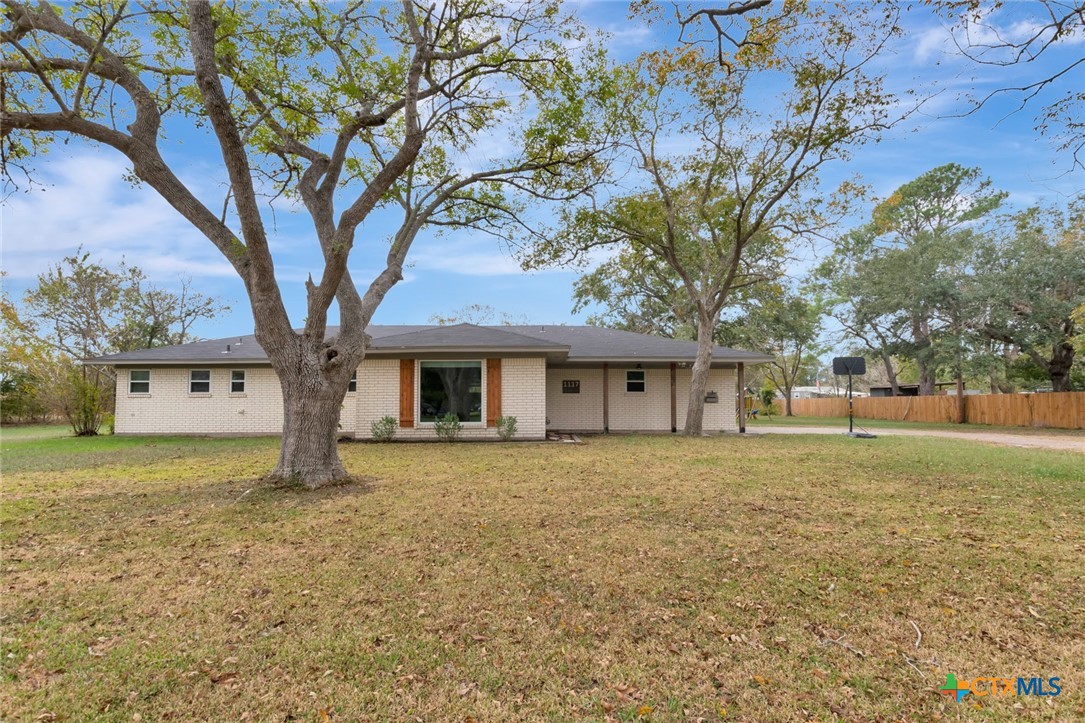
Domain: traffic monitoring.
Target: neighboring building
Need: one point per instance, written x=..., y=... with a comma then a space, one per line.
x=814, y=392
x=562, y=378
x=907, y=390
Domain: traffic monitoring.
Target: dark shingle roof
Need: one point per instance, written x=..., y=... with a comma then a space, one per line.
x=466, y=337
x=582, y=343
x=601, y=344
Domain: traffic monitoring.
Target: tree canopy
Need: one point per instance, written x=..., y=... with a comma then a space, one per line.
x=716, y=215
x=343, y=109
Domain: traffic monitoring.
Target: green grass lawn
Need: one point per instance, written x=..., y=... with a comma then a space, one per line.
x=780, y=421
x=764, y=578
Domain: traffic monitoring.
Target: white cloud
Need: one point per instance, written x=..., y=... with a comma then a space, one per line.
x=933, y=42
x=467, y=263
x=85, y=202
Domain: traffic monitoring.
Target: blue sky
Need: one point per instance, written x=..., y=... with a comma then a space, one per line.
x=85, y=201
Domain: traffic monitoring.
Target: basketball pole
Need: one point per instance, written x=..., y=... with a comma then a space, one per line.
x=851, y=418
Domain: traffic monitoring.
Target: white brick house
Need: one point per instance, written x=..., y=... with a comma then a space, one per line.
x=566, y=378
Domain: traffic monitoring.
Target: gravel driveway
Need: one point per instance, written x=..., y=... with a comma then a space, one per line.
x=1070, y=443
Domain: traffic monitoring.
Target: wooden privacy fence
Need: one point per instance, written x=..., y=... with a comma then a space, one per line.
x=1063, y=410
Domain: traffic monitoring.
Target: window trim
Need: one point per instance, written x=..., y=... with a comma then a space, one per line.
x=353, y=383
x=643, y=381
x=146, y=381
x=192, y=381
x=481, y=424
x=244, y=381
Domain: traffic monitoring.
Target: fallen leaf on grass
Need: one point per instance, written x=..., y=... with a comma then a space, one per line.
x=222, y=678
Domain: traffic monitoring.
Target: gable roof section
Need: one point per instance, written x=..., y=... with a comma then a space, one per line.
x=565, y=343
x=466, y=337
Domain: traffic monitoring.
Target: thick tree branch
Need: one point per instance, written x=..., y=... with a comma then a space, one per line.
x=261, y=277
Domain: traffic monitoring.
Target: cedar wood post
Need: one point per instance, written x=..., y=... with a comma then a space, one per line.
x=406, y=393
x=606, y=398
x=674, y=398
x=741, y=398
x=493, y=391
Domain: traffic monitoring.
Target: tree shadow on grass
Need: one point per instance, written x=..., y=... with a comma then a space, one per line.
x=141, y=503
x=351, y=487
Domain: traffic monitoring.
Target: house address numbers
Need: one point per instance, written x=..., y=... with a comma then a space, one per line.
x=570, y=386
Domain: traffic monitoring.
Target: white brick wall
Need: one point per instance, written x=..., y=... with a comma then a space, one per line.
x=721, y=416
x=170, y=409
x=647, y=411
x=522, y=396
x=529, y=391
x=575, y=412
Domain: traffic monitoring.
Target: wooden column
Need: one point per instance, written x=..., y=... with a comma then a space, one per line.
x=606, y=398
x=493, y=391
x=406, y=393
x=674, y=397
x=741, y=398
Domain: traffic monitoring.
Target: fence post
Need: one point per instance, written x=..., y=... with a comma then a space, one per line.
x=961, y=417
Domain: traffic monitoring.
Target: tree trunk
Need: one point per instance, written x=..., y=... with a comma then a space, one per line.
x=311, y=406
x=699, y=379
x=1058, y=367
x=891, y=374
x=921, y=334
x=787, y=402
x=926, y=378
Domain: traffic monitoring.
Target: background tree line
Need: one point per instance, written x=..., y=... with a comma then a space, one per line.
x=77, y=310
x=939, y=283
x=941, y=279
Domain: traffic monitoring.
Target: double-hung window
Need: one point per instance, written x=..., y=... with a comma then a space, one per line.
x=353, y=385
x=634, y=380
x=139, y=381
x=450, y=387
x=237, y=381
x=199, y=381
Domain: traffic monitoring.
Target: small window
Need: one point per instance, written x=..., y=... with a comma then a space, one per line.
x=139, y=381
x=237, y=381
x=199, y=381
x=634, y=380
x=353, y=386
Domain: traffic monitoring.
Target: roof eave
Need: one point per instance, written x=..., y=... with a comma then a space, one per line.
x=665, y=359
x=176, y=362
x=555, y=349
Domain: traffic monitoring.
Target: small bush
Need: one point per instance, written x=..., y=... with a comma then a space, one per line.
x=85, y=404
x=447, y=427
x=506, y=427
x=768, y=397
x=383, y=429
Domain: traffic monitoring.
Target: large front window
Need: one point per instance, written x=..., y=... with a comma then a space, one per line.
x=450, y=387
